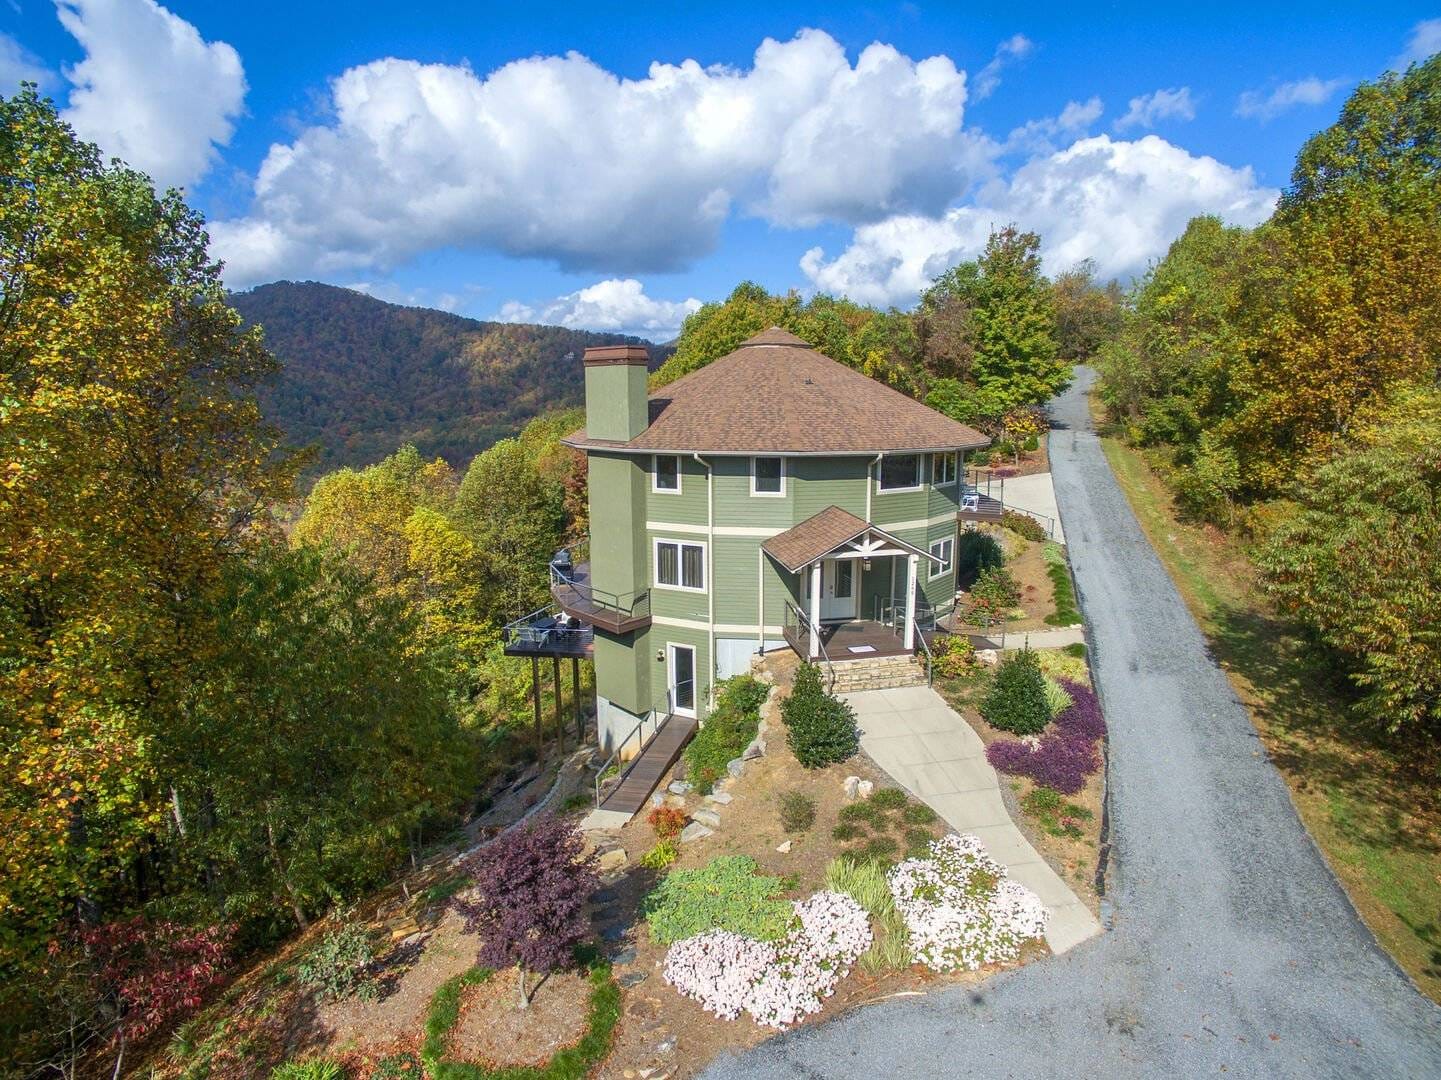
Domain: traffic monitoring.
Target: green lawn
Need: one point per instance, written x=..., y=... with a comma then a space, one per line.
x=1375, y=816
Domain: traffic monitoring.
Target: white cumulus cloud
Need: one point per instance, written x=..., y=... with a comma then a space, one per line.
x=1015, y=47
x=1263, y=105
x=1035, y=136
x=1118, y=202
x=1146, y=110
x=18, y=64
x=617, y=304
x=150, y=89
x=557, y=158
x=1425, y=40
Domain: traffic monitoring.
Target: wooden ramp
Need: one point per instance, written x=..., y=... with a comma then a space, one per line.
x=650, y=766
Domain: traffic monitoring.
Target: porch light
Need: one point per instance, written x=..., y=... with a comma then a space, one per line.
x=865, y=564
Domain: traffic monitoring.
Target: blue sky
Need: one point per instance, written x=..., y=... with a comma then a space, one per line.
x=531, y=163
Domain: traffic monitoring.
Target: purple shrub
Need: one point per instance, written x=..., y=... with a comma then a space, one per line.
x=528, y=896
x=1066, y=754
x=1083, y=718
x=1060, y=760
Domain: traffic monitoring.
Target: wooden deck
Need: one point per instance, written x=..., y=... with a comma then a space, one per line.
x=576, y=596
x=872, y=638
x=547, y=637
x=986, y=509
x=650, y=766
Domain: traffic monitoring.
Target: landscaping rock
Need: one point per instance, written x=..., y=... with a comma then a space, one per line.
x=623, y=956
x=756, y=749
x=632, y=978
x=864, y=789
x=611, y=860
x=679, y=787
x=721, y=797
x=658, y=799
x=708, y=818
x=605, y=896
x=785, y=848
x=852, y=784
x=736, y=767
x=988, y=656
x=614, y=933
x=695, y=831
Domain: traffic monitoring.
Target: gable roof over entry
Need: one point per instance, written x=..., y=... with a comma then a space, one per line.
x=777, y=395
x=828, y=532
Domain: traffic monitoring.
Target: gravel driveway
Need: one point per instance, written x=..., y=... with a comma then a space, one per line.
x=1233, y=949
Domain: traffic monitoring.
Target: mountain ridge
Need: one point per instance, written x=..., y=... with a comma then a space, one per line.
x=363, y=376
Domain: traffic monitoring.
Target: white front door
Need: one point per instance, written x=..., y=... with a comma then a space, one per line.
x=838, y=589
x=680, y=672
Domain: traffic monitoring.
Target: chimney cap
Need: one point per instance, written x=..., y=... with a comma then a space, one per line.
x=637, y=355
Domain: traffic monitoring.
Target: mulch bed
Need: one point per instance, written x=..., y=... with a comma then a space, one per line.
x=493, y=1031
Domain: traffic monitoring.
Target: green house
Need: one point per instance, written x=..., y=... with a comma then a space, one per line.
x=774, y=499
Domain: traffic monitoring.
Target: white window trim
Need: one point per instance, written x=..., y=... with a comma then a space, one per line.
x=950, y=563
x=656, y=542
x=920, y=484
x=781, y=494
x=955, y=469
x=655, y=475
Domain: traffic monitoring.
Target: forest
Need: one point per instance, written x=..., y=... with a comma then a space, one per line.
x=227, y=708
x=1289, y=379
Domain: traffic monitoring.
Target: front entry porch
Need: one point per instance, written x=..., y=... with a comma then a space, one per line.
x=858, y=639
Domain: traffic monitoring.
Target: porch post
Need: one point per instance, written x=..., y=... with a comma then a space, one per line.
x=815, y=609
x=911, y=563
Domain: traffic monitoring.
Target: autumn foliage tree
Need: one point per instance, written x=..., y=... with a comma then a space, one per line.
x=529, y=888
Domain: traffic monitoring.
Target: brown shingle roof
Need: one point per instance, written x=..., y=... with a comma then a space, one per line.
x=776, y=394
x=822, y=533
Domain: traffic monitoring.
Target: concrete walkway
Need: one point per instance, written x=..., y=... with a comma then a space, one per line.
x=932, y=752
x=1233, y=950
x=1035, y=493
x=1036, y=639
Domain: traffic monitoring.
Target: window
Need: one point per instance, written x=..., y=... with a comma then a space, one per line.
x=666, y=476
x=900, y=472
x=943, y=469
x=680, y=564
x=768, y=476
x=943, y=550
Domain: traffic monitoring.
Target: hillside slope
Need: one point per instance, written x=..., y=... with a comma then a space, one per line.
x=363, y=376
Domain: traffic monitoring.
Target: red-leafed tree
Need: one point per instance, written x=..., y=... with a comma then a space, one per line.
x=123, y=981
x=528, y=898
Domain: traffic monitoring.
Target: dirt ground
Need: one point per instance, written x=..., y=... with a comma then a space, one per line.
x=1025, y=562
x=493, y=1030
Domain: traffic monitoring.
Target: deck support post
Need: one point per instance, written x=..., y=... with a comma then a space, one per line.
x=575, y=700
x=815, y=612
x=912, y=561
x=535, y=697
x=559, y=704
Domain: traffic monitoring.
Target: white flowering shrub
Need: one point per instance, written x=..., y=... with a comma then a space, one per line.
x=778, y=982
x=960, y=908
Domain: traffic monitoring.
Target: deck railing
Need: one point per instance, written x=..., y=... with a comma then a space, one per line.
x=548, y=627
x=576, y=578
x=798, y=629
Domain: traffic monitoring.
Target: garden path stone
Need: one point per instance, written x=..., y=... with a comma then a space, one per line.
x=1234, y=948
x=695, y=831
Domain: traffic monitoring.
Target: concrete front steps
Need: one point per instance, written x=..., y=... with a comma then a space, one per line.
x=877, y=673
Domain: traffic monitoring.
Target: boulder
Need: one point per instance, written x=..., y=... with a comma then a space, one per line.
x=694, y=831
x=679, y=787
x=736, y=766
x=988, y=656
x=611, y=860
x=864, y=789
x=785, y=848
x=708, y=818
x=756, y=748
x=657, y=798
x=719, y=797
x=852, y=785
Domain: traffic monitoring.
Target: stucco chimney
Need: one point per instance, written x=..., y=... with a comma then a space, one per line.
x=615, y=392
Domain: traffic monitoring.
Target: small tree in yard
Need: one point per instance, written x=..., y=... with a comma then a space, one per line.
x=529, y=892
x=820, y=729
x=1016, y=701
